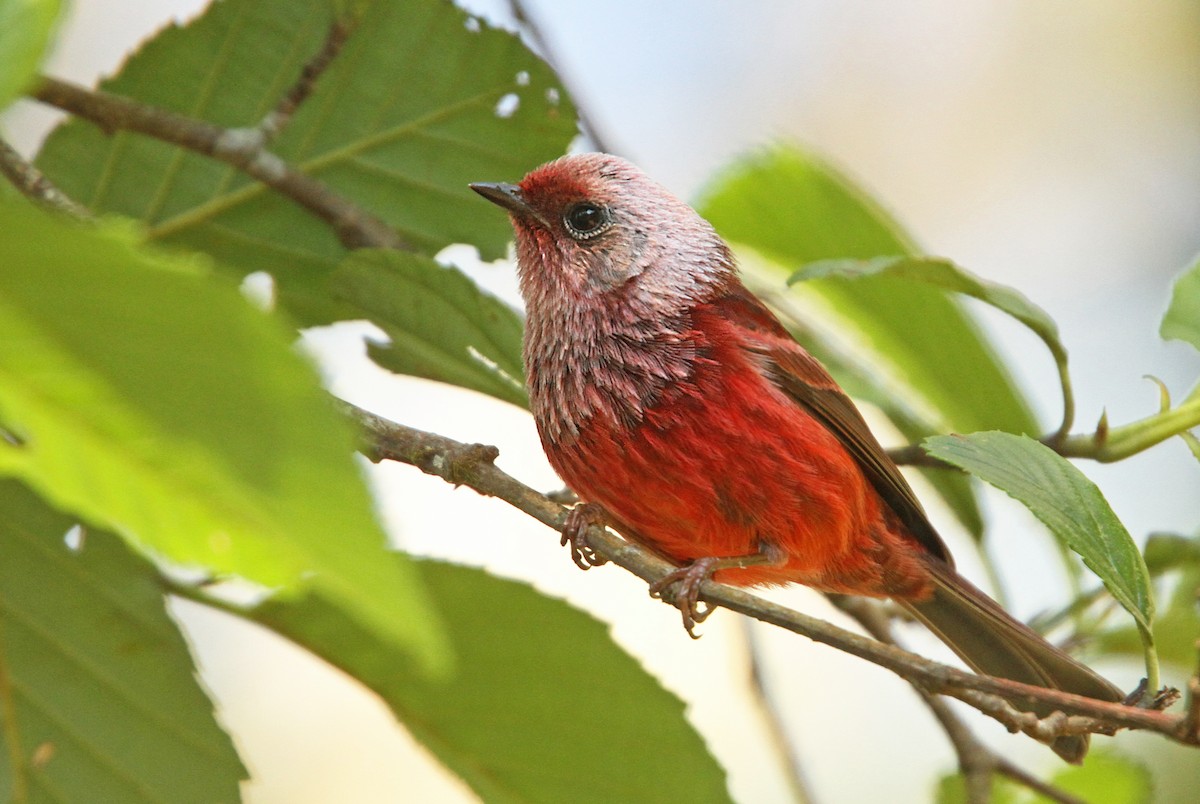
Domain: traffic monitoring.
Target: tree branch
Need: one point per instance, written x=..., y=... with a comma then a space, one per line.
x=242, y=148
x=472, y=465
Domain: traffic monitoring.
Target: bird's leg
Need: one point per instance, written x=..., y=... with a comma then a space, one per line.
x=690, y=576
x=574, y=532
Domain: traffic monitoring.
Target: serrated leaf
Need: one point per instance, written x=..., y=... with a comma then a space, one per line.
x=99, y=692
x=422, y=99
x=1063, y=498
x=539, y=685
x=1182, y=319
x=794, y=209
x=25, y=30
x=150, y=398
x=440, y=324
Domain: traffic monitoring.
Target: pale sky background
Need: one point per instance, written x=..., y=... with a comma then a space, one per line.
x=1051, y=147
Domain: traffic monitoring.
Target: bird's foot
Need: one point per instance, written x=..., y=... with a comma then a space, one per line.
x=574, y=533
x=686, y=597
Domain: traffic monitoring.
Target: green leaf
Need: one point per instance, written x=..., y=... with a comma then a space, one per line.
x=152, y=399
x=1182, y=320
x=442, y=327
x=98, y=695
x=416, y=105
x=794, y=209
x=543, y=708
x=25, y=30
x=946, y=275
x=1065, y=500
x=1108, y=777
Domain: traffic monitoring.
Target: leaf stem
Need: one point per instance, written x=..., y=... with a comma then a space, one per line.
x=1153, y=678
x=1105, y=445
x=1116, y=443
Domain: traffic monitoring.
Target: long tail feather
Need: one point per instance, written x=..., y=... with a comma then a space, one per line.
x=992, y=642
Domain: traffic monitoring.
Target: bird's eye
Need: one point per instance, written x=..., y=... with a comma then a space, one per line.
x=585, y=220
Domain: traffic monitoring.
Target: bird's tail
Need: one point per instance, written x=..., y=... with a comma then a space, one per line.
x=993, y=643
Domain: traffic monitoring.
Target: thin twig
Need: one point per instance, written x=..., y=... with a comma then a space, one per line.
x=776, y=731
x=33, y=184
x=242, y=148
x=277, y=119
x=472, y=466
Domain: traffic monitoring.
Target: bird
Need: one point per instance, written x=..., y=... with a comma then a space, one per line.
x=682, y=413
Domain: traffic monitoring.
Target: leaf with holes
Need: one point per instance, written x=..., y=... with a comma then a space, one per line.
x=421, y=99
x=99, y=699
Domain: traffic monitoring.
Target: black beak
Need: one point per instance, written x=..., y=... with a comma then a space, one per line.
x=504, y=195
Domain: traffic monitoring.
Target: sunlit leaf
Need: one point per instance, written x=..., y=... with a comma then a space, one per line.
x=147, y=396
x=1109, y=777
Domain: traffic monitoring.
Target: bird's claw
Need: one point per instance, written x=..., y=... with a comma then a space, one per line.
x=574, y=533
x=686, y=597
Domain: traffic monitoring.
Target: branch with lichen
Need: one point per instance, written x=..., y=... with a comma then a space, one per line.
x=473, y=465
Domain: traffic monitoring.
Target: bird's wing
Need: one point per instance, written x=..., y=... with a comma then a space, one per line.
x=802, y=378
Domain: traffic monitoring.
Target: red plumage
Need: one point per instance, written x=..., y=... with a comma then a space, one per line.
x=671, y=398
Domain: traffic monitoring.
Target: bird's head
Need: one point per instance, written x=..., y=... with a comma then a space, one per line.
x=592, y=226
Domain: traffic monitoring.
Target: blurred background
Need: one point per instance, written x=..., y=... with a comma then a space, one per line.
x=1051, y=147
